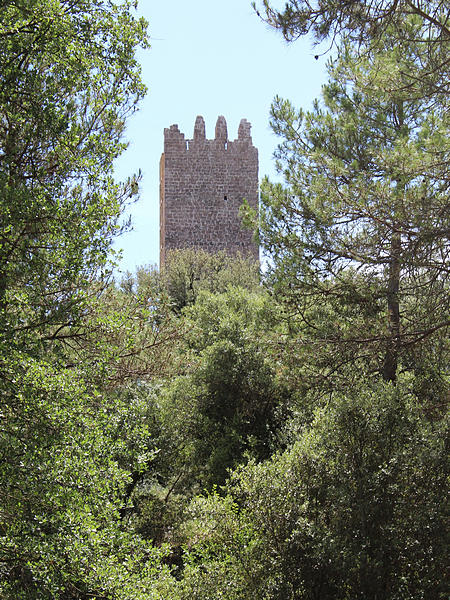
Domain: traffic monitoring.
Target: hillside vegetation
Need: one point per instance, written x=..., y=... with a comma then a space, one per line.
x=207, y=431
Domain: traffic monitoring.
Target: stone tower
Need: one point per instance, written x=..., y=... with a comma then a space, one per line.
x=202, y=185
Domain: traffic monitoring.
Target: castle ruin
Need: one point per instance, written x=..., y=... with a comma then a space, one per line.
x=202, y=185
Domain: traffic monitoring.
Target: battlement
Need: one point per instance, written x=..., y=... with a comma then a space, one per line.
x=203, y=182
x=175, y=140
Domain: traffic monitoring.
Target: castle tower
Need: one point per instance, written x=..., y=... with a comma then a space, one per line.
x=202, y=185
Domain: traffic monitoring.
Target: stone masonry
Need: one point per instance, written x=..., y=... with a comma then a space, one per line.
x=202, y=185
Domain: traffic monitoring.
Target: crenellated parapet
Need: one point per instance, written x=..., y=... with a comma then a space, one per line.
x=173, y=138
x=203, y=184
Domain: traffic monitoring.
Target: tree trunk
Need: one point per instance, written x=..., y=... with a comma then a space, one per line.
x=391, y=355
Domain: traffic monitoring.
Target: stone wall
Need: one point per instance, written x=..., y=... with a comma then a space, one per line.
x=202, y=185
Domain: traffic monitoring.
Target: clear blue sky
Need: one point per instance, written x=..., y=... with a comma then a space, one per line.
x=209, y=58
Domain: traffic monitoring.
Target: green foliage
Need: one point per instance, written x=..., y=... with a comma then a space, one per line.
x=121, y=403
x=228, y=401
x=365, y=23
x=360, y=226
x=186, y=272
x=353, y=507
x=69, y=81
x=331, y=517
x=65, y=460
x=130, y=335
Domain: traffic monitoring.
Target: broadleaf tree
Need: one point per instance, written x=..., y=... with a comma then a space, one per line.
x=331, y=517
x=69, y=80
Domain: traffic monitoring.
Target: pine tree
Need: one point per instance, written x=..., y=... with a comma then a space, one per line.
x=361, y=226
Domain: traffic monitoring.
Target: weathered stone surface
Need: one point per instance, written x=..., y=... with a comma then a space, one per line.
x=202, y=185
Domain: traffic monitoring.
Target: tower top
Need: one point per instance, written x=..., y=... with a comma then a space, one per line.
x=173, y=134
